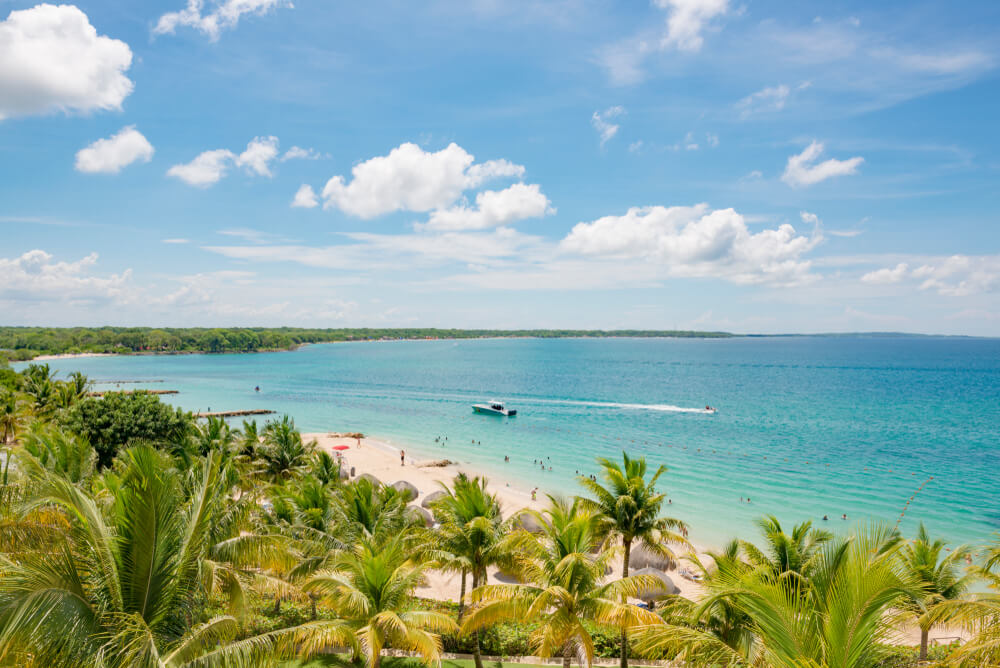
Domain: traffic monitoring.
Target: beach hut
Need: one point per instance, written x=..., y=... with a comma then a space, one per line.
x=418, y=514
x=529, y=523
x=432, y=497
x=668, y=586
x=407, y=489
x=370, y=478
x=642, y=557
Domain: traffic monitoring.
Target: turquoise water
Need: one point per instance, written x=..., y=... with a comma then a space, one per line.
x=805, y=426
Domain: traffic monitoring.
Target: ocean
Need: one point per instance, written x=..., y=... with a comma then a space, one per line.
x=869, y=427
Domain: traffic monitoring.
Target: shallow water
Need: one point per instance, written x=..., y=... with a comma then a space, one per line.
x=805, y=426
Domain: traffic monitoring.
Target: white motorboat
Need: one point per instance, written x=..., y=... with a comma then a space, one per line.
x=494, y=408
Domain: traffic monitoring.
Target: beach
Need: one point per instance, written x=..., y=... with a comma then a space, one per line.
x=382, y=460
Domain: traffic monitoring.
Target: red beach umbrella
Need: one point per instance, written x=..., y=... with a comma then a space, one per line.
x=341, y=447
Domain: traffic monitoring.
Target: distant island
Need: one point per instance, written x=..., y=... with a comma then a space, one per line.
x=25, y=343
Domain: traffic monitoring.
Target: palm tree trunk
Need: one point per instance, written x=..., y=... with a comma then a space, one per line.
x=461, y=598
x=277, y=604
x=624, y=647
x=476, y=654
x=568, y=654
x=923, y=644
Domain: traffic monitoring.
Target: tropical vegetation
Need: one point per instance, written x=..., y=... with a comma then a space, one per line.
x=132, y=534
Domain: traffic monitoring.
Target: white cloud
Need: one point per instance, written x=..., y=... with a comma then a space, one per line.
x=887, y=275
x=801, y=170
x=960, y=275
x=772, y=98
x=711, y=140
x=601, y=120
x=687, y=20
x=259, y=152
x=209, y=167
x=52, y=59
x=35, y=277
x=635, y=147
x=305, y=197
x=176, y=241
x=411, y=179
x=696, y=242
x=493, y=209
x=225, y=14
x=299, y=153
x=111, y=155
x=205, y=170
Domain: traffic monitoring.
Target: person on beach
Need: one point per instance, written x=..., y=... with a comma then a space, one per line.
x=402, y=457
x=534, y=494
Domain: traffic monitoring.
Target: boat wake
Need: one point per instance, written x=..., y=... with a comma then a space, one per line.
x=666, y=408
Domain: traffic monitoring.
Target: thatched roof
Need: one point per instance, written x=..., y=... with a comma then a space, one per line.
x=432, y=497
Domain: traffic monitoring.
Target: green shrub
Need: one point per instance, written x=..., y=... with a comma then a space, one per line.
x=111, y=422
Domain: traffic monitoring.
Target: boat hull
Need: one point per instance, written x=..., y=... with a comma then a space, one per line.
x=486, y=410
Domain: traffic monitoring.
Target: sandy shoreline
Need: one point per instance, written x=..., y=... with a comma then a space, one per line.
x=382, y=460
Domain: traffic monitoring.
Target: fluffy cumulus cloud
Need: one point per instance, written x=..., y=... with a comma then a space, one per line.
x=110, y=155
x=411, y=179
x=52, y=59
x=35, y=276
x=209, y=167
x=687, y=20
x=305, y=197
x=696, y=242
x=258, y=155
x=493, y=209
x=601, y=120
x=205, y=170
x=803, y=170
x=223, y=14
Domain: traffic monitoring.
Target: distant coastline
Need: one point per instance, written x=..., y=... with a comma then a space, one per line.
x=27, y=343
x=20, y=344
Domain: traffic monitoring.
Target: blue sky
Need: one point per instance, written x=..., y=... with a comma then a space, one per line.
x=712, y=164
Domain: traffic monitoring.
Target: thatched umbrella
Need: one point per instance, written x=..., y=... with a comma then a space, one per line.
x=416, y=513
x=669, y=588
x=529, y=523
x=642, y=557
x=407, y=488
x=372, y=479
x=432, y=497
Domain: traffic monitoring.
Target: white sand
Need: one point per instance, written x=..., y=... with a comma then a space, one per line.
x=381, y=460
x=66, y=356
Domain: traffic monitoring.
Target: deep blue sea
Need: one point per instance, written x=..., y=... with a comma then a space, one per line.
x=805, y=426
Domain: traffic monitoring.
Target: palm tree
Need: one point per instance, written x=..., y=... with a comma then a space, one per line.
x=840, y=617
x=283, y=453
x=631, y=506
x=565, y=587
x=61, y=452
x=939, y=578
x=471, y=536
x=326, y=468
x=14, y=413
x=214, y=434
x=370, y=589
x=120, y=588
x=787, y=556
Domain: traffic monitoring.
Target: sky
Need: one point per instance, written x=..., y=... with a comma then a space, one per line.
x=751, y=166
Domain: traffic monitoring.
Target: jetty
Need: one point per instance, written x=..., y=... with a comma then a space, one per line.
x=226, y=414
x=103, y=392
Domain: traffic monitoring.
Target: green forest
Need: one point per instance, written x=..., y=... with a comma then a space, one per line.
x=25, y=343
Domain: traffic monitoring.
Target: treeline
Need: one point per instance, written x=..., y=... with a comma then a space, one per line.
x=23, y=343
